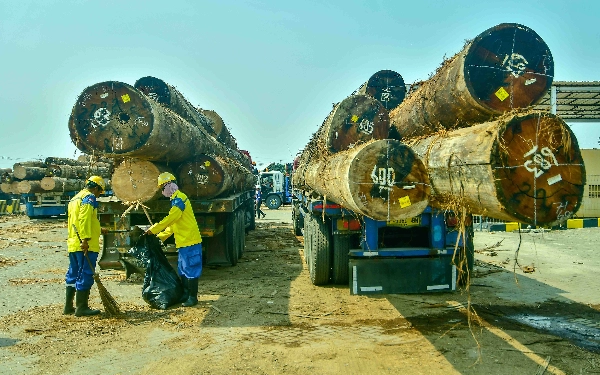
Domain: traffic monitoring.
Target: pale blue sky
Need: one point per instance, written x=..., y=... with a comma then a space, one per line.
x=271, y=69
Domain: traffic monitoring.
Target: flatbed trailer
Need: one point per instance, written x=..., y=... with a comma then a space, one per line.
x=44, y=205
x=223, y=223
x=425, y=253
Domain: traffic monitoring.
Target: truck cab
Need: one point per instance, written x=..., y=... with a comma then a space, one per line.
x=275, y=188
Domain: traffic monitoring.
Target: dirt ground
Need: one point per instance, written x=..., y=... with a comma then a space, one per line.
x=263, y=316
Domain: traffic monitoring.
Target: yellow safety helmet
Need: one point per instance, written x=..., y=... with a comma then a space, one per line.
x=98, y=181
x=165, y=177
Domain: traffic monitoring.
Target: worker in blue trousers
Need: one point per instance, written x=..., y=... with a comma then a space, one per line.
x=182, y=223
x=84, y=240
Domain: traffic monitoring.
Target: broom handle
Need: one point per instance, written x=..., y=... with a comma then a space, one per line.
x=85, y=253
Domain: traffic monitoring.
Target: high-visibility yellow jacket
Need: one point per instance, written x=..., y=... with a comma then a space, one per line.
x=180, y=221
x=83, y=212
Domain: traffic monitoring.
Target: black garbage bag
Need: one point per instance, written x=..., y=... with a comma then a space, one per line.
x=162, y=287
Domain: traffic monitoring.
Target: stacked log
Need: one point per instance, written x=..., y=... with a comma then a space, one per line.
x=350, y=161
x=62, y=184
x=30, y=187
x=524, y=167
x=221, y=132
x=381, y=179
x=10, y=187
x=386, y=86
x=506, y=67
x=150, y=133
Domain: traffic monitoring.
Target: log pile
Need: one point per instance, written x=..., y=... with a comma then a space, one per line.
x=484, y=148
x=472, y=128
x=150, y=128
x=350, y=161
x=52, y=175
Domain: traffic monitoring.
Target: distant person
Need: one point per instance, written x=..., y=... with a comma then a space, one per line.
x=258, y=203
x=182, y=223
x=84, y=234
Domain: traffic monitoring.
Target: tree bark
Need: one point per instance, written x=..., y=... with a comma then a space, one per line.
x=506, y=67
x=29, y=173
x=524, y=167
x=381, y=179
x=387, y=87
x=30, y=187
x=222, y=134
x=136, y=179
x=118, y=121
x=79, y=172
x=62, y=184
x=169, y=96
x=210, y=176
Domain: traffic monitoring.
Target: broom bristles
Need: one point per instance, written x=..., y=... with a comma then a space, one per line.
x=110, y=304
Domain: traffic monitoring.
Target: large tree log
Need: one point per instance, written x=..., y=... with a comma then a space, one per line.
x=210, y=176
x=382, y=179
x=386, y=86
x=30, y=187
x=357, y=119
x=506, y=67
x=524, y=167
x=10, y=187
x=136, y=180
x=118, y=121
x=31, y=163
x=29, y=173
x=62, y=184
x=169, y=96
x=79, y=172
x=221, y=132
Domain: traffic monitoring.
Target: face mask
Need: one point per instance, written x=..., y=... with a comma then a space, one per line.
x=169, y=189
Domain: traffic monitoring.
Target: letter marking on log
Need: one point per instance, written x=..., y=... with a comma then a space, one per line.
x=102, y=116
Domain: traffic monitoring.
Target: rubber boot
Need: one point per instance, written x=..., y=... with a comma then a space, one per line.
x=69, y=309
x=81, y=304
x=186, y=291
x=193, y=288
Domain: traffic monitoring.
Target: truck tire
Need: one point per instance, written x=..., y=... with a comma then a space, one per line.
x=298, y=221
x=273, y=201
x=320, y=253
x=341, y=259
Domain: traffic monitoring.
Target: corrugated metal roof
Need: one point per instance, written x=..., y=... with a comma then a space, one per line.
x=574, y=100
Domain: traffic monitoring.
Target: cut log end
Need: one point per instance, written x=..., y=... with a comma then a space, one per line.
x=386, y=86
x=358, y=118
x=539, y=171
x=508, y=66
x=202, y=178
x=136, y=180
x=156, y=89
x=112, y=118
x=389, y=181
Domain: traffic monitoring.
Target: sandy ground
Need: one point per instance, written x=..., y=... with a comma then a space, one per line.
x=537, y=315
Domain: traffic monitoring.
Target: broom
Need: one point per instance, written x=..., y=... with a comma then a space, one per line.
x=110, y=304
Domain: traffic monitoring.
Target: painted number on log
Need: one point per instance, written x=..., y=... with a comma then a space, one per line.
x=515, y=63
x=540, y=161
x=385, y=95
x=366, y=126
x=102, y=116
x=384, y=177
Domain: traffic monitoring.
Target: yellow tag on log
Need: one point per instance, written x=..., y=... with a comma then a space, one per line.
x=404, y=201
x=125, y=98
x=501, y=94
x=207, y=163
x=354, y=118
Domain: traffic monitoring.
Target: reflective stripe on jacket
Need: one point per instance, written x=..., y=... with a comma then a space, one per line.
x=180, y=221
x=83, y=212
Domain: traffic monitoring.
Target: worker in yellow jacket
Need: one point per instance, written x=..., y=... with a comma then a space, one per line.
x=84, y=234
x=182, y=223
